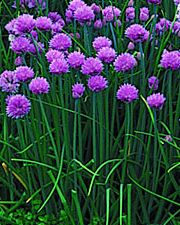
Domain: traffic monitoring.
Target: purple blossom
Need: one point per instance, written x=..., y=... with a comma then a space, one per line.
x=38, y=46
x=95, y=8
x=43, y=23
x=176, y=28
x=144, y=14
x=117, y=23
x=78, y=90
x=163, y=25
x=156, y=101
x=97, y=83
x=127, y=93
x=153, y=82
x=24, y=73
x=154, y=1
x=10, y=27
x=106, y=54
x=69, y=15
x=176, y=2
x=170, y=60
x=24, y=24
x=130, y=14
x=59, y=66
x=131, y=46
x=60, y=42
x=34, y=34
x=168, y=138
x=53, y=54
x=54, y=16
x=98, y=24
x=137, y=33
x=20, y=44
x=101, y=42
x=31, y=3
x=75, y=4
x=84, y=14
x=9, y=82
x=39, y=85
x=125, y=62
x=76, y=59
x=18, y=61
x=56, y=28
x=17, y=106
x=110, y=12
x=92, y=66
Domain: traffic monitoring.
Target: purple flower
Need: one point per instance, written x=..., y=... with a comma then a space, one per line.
x=54, y=16
x=43, y=23
x=10, y=27
x=59, y=66
x=101, y=42
x=56, y=28
x=176, y=2
x=110, y=12
x=18, y=61
x=176, y=28
x=127, y=93
x=98, y=24
x=69, y=15
x=78, y=90
x=130, y=14
x=76, y=59
x=163, y=25
x=154, y=1
x=125, y=62
x=9, y=82
x=24, y=73
x=34, y=34
x=97, y=83
x=131, y=46
x=60, y=42
x=144, y=14
x=92, y=66
x=117, y=23
x=137, y=33
x=33, y=49
x=75, y=4
x=53, y=54
x=24, y=24
x=31, y=4
x=39, y=85
x=156, y=101
x=17, y=106
x=84, y=14
x=168, y=138
x=20, y=45
x=153, y=82
x=95, y=8
x=106, y=54
x=170, y=60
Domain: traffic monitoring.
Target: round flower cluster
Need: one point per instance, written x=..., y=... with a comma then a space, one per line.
x=9, y=82
x=39, y=85
x=24, y=73
x=127, y=93
x=31, y=4
x=84, y=14
x=110, y=12
x=153, y=83
x=78, y=90
x=170, y=60
x=106, y=54
x=154, y=1
x=144, y=14
x=17, y=106
x=76, y=59
x=20, y=45
x=101, y=42
x=97, y=83
x=43, y=23
x=163, y=25
x=125, y=62
x=92, y=66
x=53, y=54
x=130, y=14
x=60, y=42
x=24, y=24
x=156, y=101
x=137, y=33
x=59, y=66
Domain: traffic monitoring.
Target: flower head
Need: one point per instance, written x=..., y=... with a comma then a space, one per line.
x=101, y=42
x=144, y=14
x=24, y=24
x=176, y=28
x=156, y=101
x=24, y=73
x=10, y=27
x=43, y=23
x=20, y=45
x=53, y=54
x=92, y=66
x=84, y=14
x=153, y=82
x=106, y=54
x=170, y=60
x=95, y=8
x=125, y=62
x=97, y=83
x=60, y=42
x=154, y=1
x=76, y=59
x=130, y=13
x=137, y=33
x=17, y=106
x=39, y=85
x=59, y=66
x=127, y=93
x=98, y=24
x=78, y=90
x=9, y=82
x=163, y=25
x=18, y=61
x=110, y=12
x=54, y=16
